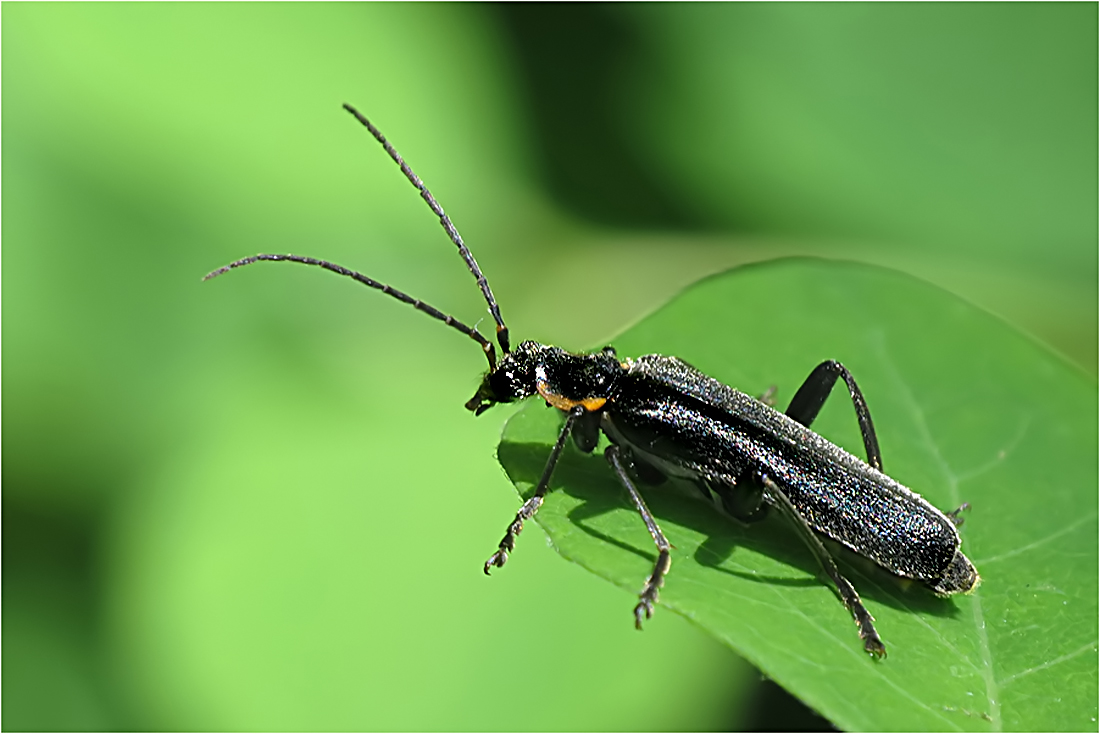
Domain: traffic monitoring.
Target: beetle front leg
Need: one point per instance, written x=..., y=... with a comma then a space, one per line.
x=531, y=506
x=648, y=597
x=863, y=619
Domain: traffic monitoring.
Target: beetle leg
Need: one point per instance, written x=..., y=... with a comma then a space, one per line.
x=743, y=499
x=807, y=402
x=531, y=506
x=586, y=431
x=863, y=619
x=953, y=516
x=649, y=594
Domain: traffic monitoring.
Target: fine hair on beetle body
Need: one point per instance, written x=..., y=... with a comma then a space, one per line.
x=663, y=418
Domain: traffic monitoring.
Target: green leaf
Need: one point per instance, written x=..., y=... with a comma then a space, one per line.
x=966, y=409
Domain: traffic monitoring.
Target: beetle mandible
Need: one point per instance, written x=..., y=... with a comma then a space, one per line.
x=664, y=418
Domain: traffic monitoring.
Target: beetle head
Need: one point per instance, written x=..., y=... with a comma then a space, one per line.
x=512, y=379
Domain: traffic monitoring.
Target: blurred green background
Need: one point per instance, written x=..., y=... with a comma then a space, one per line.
x=258, y=503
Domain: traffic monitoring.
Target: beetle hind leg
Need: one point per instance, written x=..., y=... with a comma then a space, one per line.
x=872, y=643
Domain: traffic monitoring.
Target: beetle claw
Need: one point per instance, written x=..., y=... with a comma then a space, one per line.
x=645, y=606
x=498, y=559
x=874, y=647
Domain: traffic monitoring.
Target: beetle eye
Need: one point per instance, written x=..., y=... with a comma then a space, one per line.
x=506, y=386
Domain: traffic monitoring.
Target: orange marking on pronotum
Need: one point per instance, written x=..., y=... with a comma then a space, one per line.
x=563, y=403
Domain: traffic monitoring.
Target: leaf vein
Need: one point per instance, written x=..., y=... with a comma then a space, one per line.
x=1042, y=541
x=1050, y=663
x=991, y=689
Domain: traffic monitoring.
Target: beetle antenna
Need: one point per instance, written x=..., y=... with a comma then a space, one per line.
x=471, y=263
x=472, y=332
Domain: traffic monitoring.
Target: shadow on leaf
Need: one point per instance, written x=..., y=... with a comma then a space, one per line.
x=589, y=479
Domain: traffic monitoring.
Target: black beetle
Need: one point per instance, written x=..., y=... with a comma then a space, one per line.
x=665, y=418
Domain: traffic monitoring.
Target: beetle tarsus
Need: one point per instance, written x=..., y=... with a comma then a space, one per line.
x=652, y=591
x=643, y=607
x=508, y=542
x=872, y=643
x=874, y=647
x=498, y=559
